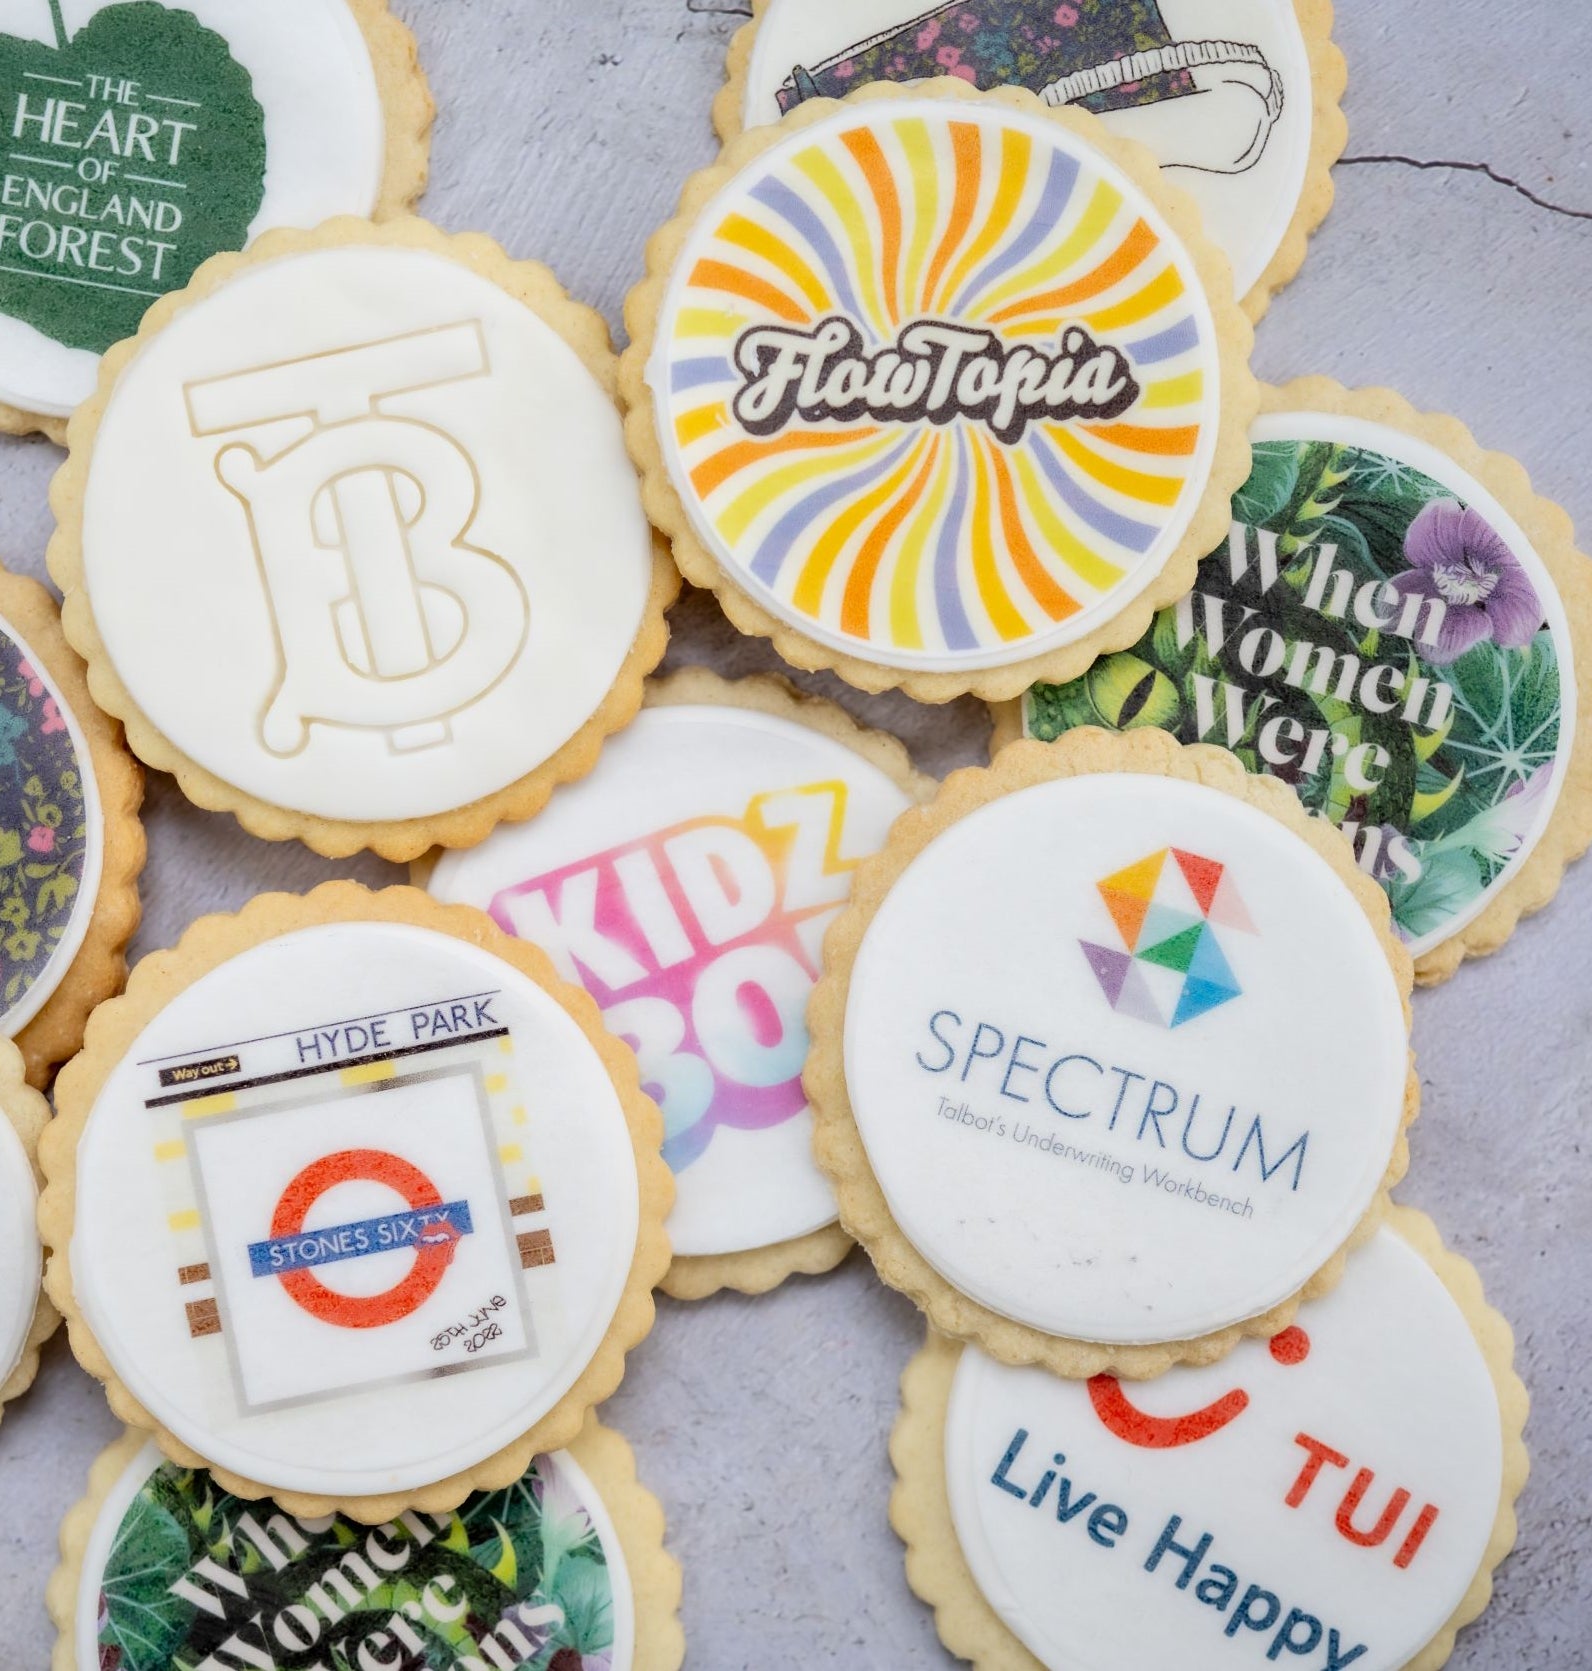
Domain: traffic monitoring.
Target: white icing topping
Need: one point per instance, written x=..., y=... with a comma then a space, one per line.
x=688, y=883
x=1127, y=1058
x=423, y=1167
x=1239, y=142
x=399, y=604
x=1351, y=1490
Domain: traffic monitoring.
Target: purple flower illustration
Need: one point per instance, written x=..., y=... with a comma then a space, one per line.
x=1457, y=558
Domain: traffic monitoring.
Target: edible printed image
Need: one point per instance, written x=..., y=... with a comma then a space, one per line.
x=1336, y=1496
x=942, y=388
x=1111, y=1060
x=1380, y=631
x=412, y=563
x=355, y=1209
x=562, y=1570
x=1222, y=93
x=142, y=136
x=71, y=843
x=687, y=884
x=52, y=834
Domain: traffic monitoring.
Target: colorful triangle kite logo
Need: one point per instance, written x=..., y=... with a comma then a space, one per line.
x=1147, y=904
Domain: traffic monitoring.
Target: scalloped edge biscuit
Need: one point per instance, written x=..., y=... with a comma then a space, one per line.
x=601, y=1452
x=837, y=1142
x=99, y=969
x=583, y=329
x=757, y=1270
x=28, y=1113
x=1552, y=535
x=1229, y=463
x=205, y=945
x=1329, y=135
x=408, y=112
x=920, y=1509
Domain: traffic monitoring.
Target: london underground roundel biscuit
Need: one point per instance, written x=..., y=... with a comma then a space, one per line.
x=71, y=845
x=1400, y=628
x=935, y=388
x=352, y=1201
x=144, y=138
x=1338, y=1496
x=1110, y=1058
x=411, y=587
x=565, y=1566
x=1238, y=99
x=687, y=884
x=27, y=1319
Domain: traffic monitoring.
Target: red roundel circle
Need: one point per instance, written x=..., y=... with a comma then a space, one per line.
x=362, y=1311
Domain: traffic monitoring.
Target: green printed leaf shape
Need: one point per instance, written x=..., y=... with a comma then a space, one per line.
x=139, y=1616
x=186, y=74
x=1506, y=725
x=1447, y=886
x=1273, y=476
x=585, y=1592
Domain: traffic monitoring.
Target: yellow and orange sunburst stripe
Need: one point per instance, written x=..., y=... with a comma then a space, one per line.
x=946, y=541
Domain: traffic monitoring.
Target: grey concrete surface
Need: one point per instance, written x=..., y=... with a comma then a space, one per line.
x=565, y=129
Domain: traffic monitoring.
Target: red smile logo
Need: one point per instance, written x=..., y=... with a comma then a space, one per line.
x=1134, y=1426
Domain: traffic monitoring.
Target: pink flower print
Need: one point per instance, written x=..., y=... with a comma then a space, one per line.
x=1066, y=16
x=52, y=717
x=967, y=73
x=928, y=34
x=41, y=839
x=845, y=71
x=969, y=23
x=35, y=683
x=948, y=57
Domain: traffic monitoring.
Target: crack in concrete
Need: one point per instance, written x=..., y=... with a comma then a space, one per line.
x=1482, y=168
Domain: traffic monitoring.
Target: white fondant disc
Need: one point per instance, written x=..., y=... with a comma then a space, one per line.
x=1127, y=1058
x=355, y=1209
x=411, y=556
x=1339, y=1486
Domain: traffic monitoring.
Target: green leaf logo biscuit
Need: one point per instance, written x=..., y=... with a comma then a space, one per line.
x=132, y=152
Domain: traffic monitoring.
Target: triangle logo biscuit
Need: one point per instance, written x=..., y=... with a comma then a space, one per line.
x=1166, y=909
